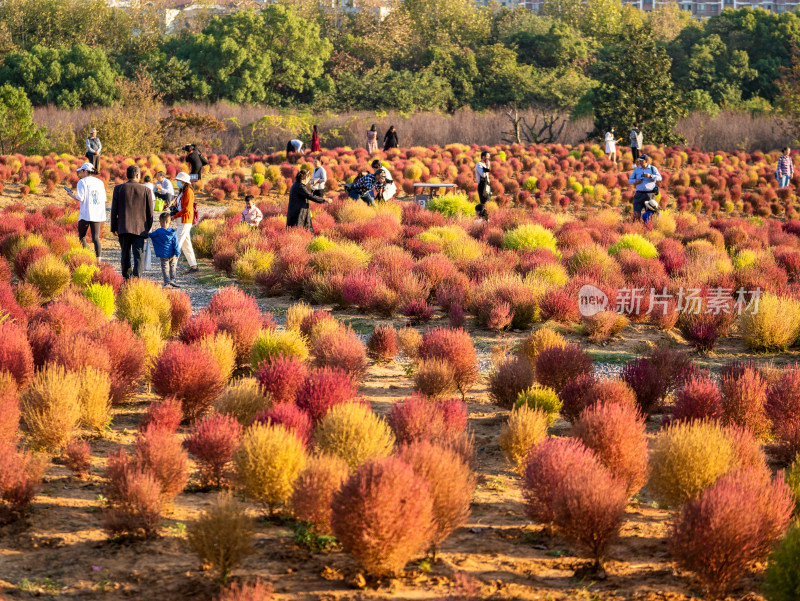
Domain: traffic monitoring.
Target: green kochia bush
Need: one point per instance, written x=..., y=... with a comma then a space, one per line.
x=637, y=243
x=782, y=578
x=451, y=205
x=530, y=236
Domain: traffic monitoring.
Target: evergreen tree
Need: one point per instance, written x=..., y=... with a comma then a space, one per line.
x=636, y=87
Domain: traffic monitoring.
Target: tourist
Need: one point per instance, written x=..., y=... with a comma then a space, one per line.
x=294, y=147
x=165, y=245
x=481, y=214
x=645, y=177
x=482, y=176
x=315, y=140
x=163, y=188
x=131, y=220
x=147, y=182
x=186, y=213
x=319, y=179
x=651, y=208
x=637, y=141
x=299, y=211
x=91, y=194
x=372, y=139
x=367, y=187
x=251, y=215
x=196, y=162
x=389, y=187
x=390, y=139
x=611, y=145
x=785, y=167
x=93, y=148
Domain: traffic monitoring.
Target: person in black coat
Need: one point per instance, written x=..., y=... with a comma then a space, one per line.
x=390, y=139
x=299, y=212
x=131, y=220
x=196, y=162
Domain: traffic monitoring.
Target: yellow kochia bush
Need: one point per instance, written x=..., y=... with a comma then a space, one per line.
x=268, y=462
x=524, y=429
x=775, y=326
x=354, y=433
x=51, y=406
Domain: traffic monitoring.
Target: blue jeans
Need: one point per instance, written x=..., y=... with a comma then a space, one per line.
x=785, y=180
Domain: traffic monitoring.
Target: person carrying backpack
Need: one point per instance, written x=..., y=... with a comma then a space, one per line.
x=482, y=176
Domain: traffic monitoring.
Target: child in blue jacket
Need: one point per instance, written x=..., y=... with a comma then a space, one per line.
x=165, y=245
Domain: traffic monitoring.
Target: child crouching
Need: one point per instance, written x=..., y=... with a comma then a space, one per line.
x=165, y=245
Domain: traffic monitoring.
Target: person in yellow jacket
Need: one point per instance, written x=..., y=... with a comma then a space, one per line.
x=185, y=218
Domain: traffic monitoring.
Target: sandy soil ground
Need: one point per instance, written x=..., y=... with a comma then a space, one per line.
x=60, y=551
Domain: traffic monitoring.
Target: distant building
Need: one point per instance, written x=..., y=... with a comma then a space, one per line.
x=699, y=8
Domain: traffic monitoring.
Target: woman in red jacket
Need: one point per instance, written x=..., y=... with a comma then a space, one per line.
x=314, y=140
x=185, y=218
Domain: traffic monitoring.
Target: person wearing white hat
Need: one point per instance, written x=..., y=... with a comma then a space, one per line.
x=91, y=194
x=186, y=217
x=93, y=148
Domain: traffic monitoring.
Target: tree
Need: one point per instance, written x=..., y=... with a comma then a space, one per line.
x=704, y=62
x=18, y=132
x=561, y=46
x=789, y=91
x=251, y=57
x=599, y=19
x=457, y=22
x=69, y=76
x=635, y=87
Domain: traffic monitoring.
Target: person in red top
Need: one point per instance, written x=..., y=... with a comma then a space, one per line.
x=314, y=140
x=185, y=218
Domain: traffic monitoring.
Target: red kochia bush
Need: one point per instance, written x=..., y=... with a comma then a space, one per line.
x=78, y=352
x=20, y=480
x=573, y=395
x=450, y=483
x=77, y=457
x=212, y=442
x=201, y=325
x=382, y=344
x=165, y=415
x=134, y=496
x=292, y=418
x=159, y=451
x=729, y=526
x=698, y=399
x=181, y=308
x=616, y=433
x=126, y=351
x=510, y=378
x=744, y=399
x=557, y=365
x=10, y=306
x=455, y=347
x=567, y=485
x=341, y=348
x=257, y=591
x=324, y=388
x=383, y=515
x=654, y=376
x=282, y=377
x=16, y=356
x=783, y=408
x=418, y=418
x=189, y=374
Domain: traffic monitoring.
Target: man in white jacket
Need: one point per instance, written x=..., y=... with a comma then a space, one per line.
x=91, y=194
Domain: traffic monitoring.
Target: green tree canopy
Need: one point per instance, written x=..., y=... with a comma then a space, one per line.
x=69, y=76
x=269, y=56
x=635, y=87
x=17, y=129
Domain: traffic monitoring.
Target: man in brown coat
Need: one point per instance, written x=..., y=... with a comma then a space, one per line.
x=131, y=220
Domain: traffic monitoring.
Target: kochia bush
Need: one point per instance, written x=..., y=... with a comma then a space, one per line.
x=557, y=365
x=730, y=526
x=383, y=516
x=455, y=347
x=418, y=418
x=313, y=493
x=212, y=442
x=281, y=378
x=189, y=374
x=323, y=389
x=354, y=433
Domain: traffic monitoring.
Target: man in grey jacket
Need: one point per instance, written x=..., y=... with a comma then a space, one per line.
x=637, y=141
x=131, y=220
x=93, y=148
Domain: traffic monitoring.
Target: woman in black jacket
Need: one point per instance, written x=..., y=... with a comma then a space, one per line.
x=390, y=139
x=299, y=212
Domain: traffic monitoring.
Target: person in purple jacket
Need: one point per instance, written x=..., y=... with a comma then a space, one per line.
x=165, y=246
